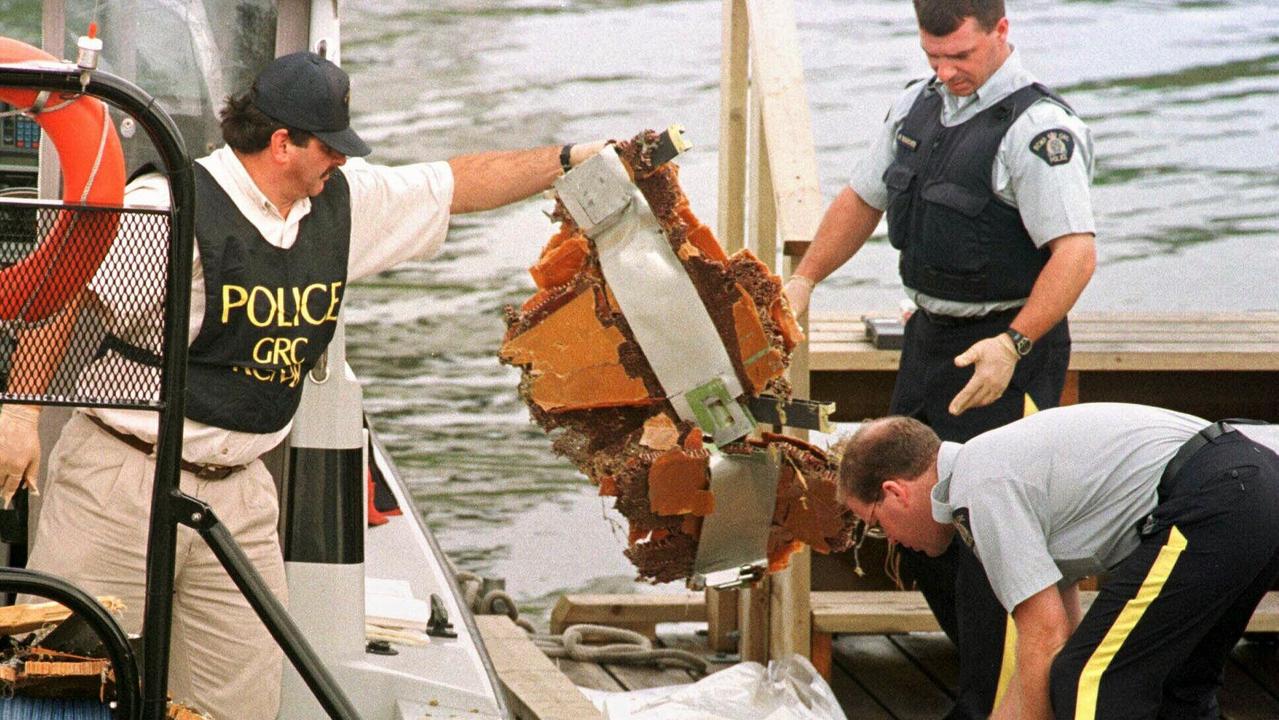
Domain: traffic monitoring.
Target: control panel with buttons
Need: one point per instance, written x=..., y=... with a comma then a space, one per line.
x=18, y=133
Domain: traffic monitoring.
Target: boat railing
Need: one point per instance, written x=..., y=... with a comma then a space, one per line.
x=769, y=199
x=162, y=245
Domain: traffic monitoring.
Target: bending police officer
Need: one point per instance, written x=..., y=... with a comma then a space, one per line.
x=1179, y=514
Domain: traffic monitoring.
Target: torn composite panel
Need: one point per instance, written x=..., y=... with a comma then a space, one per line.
x=585, y=376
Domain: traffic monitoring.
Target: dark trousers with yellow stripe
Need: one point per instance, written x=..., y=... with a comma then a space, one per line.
x=954, y=584
x=1155, y=642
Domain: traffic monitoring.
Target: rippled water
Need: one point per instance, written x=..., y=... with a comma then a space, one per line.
x=1183, y=98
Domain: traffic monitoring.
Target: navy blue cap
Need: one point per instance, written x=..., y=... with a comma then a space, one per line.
x=306, y=92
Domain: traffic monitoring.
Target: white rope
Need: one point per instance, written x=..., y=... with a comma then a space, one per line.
x=97, y=161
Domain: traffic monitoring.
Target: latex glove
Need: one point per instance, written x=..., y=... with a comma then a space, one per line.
x=581, y=152
x=995, y=358
x=19, y=449
x=798, y=291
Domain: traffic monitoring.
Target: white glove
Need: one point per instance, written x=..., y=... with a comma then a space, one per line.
x=19, y=449
x=995, y=358
x=798, y=290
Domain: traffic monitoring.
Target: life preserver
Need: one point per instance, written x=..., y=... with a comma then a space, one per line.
x=92, y=174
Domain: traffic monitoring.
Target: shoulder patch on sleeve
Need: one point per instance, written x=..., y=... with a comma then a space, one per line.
x=963, y=526
x=1055, y=147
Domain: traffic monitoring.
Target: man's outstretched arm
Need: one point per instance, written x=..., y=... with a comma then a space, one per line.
x=488, y=180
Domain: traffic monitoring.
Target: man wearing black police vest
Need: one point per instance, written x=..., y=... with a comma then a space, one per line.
x=983, y=174
x=281, y=228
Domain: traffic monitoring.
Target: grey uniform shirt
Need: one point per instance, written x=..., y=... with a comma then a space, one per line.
x=1058, y=496
x=1053, y=199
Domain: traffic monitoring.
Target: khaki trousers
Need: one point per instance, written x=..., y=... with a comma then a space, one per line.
x=93, y=531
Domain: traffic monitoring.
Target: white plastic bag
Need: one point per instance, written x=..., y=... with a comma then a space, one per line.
x=789, y=689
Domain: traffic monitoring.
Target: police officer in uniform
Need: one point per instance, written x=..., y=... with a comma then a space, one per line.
x=984, y=175
x=282, y=225
x=1178, y=513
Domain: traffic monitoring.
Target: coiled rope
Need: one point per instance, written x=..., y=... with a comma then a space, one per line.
x=622, y=647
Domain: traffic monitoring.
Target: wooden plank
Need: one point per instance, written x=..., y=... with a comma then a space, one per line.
x=890, y=678
x=1266, y=616
x=733, y=84
x=643, y=677
x=892, y=611
x=856, y=703
x=872, y=612
x=1260, y=660
x=934, y=653
x=636, y=612
x=537, y=690
x=777, y=77
x=762, y=231
x=589, y=675
x=721, y=620
x=1242, y=698
x=821, y=648
x=753, y=622
x=790, y=615
x=1101, y=342
x=696, y=644
x=849, y=357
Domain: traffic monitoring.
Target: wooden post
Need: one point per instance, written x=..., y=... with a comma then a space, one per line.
x=790, y=614
x=754, y=622
x=763, y=210
x=733, y=87
x=721, y=620
x=777, y=87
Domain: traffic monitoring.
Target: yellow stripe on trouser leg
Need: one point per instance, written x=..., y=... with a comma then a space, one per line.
x=1009, y=662
x=1029, y=408
x=1090, y=678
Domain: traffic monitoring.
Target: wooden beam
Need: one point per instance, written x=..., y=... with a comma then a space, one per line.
x=790, y=616
x=754, y=622
x=762, y=232
x=721, y=620
x=634, y=612
x=777, y=86
x=893, y=611
x=733, y=93
x=535, y=688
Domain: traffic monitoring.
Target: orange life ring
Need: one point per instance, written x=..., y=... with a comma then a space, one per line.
x=92, y=174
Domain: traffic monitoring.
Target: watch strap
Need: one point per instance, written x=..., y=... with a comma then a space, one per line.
x=566, y=154
x=1022, y=344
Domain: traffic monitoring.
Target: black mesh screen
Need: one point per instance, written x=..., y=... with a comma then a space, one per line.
x=83, y=293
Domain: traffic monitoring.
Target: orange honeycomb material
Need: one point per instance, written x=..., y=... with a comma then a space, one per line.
x=677, y=485
x=574, y=360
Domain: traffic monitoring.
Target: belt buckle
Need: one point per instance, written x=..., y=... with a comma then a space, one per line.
x=213, y=472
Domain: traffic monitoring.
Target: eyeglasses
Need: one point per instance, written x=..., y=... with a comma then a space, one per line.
x=872, y=523
x=870, y=528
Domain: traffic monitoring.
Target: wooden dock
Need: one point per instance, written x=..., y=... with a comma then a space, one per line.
x=892, y=676
x=1214, y=365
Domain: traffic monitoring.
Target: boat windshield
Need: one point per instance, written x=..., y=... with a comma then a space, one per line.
x=189, y=54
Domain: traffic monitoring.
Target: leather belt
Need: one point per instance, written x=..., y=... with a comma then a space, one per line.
x=203, y=471
x=959, y=321
x=1192, y=446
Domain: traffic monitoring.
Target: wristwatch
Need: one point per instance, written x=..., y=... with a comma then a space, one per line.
x=1021, y=343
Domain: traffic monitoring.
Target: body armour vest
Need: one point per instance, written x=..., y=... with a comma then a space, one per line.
x=958, y=240
x=269, y=313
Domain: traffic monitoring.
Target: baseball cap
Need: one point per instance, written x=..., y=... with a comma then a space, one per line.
x=304, y=91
